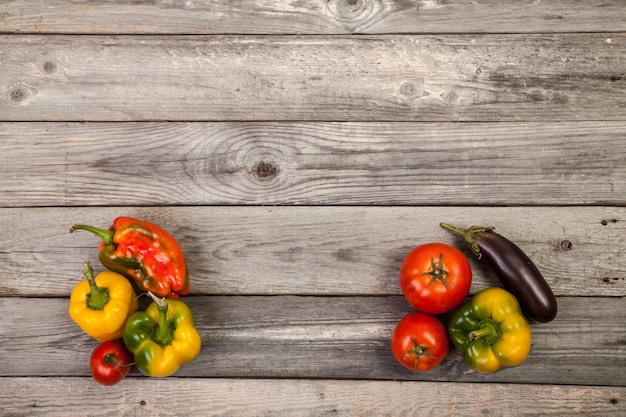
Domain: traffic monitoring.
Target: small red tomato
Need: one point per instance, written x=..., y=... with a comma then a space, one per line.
x=110, y=362
x=435, y=278
x=420, y=342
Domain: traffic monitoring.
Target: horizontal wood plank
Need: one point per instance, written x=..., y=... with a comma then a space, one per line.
x=310, y=16
x=316, y=250
x=313, y=163
x=344, y=78
x=322, y=337
x=62, y=397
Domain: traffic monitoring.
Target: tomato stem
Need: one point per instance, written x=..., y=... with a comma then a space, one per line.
x=418, y=351
x=437, y=272
x=110, y=359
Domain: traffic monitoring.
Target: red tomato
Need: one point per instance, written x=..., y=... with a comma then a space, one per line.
x=435, y=277
x=110, y=362
x=420, y=342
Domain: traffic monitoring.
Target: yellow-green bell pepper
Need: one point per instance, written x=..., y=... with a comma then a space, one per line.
x=491, y=331
x=162, y=338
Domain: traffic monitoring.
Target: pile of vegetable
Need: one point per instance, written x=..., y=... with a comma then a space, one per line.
x=140, y=257
x=491, y=328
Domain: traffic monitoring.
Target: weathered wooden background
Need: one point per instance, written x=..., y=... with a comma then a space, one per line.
x=298, y=150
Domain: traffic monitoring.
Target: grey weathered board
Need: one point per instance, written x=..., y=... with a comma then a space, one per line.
x=318, y=250
x=326, y=337
x=472, y=77
x=309, y=16
x=298, y=150
x=246, y=163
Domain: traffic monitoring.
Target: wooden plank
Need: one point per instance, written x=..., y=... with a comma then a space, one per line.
x=322, y=337
x=310, y=17
x=64, y=397
x=313, y=163
x=316, y=250
x=367, y=78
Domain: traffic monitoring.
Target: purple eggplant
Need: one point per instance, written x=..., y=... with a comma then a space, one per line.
x=516, y=271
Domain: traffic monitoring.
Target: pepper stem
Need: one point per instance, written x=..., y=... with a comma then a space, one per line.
x=98, y=297
x=105, y=235
x=162, y=334
x=488, y=331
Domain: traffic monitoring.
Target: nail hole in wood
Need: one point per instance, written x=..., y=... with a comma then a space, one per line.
x=49, y=67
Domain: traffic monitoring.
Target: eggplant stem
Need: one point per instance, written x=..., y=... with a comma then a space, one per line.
x=469, y=235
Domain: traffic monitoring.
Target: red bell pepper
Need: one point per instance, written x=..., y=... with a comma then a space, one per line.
x=144, y=253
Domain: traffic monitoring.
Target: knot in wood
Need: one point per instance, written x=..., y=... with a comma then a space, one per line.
x=265, y=171
x=451, y=96
x=412, y=89
x=18, y=94
x=347, y=9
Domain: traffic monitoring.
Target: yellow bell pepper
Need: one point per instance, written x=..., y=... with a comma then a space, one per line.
x=162, y=338
x=101, y=305
x=491, y=331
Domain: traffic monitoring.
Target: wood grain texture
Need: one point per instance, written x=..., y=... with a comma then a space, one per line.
x=323, y=337
x=310, y=16
x=297, y=151
x=316, y=250
x=251, y=163
x=339, y=78
x=62, y=397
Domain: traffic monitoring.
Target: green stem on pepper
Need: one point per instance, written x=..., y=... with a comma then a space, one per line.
x=489, y=332
x=163, y=334
x=98, y=297
x=105, y=235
